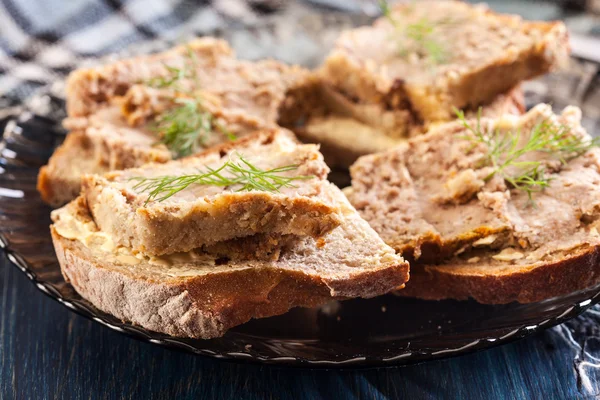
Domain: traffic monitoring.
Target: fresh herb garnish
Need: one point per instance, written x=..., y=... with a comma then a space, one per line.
x=172, y=78
x=242, y=173
x=505, y=152
x=420, y=35
x=175, y=75
x=185, y=127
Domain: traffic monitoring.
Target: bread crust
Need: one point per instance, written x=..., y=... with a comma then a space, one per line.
x=55, y=185
x=204, y=295
x=527, y=284
x=207, y=306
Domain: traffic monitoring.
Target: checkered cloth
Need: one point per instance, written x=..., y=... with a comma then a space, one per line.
x=42, y=40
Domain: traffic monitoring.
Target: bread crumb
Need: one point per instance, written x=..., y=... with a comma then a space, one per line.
x=508, y=254
x=383, y=309
x=461, y=250
x=463, y=186
x=485, y=241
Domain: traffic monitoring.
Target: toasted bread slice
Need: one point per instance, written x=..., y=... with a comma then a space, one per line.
x=410, y=63
x=347, y=131
x=205, y=214
x=113, y=109
x=200, y=295
x=439, y=202
x=492, y=281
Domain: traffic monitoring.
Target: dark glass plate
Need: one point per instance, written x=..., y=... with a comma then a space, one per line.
x=388, y=330
x=379, y=332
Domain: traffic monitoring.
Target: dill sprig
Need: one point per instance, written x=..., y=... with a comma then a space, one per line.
x=242, y=173
x=506, y=151
x=187, y=126
x=420, y=33
x=175, y=75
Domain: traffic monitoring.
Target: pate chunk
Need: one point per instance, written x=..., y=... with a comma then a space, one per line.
x=489, y=53
x=447, y=196
x=204, y=214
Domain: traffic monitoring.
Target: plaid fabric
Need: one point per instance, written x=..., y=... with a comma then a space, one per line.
x=42, y=40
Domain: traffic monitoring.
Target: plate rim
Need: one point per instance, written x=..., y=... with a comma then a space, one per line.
x=19, y=261
x=400, y=358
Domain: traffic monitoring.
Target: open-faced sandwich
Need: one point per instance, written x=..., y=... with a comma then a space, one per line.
x=160, y=107
x=194, y=211
x=384, y=83
x=500, y=210
x=196, y=246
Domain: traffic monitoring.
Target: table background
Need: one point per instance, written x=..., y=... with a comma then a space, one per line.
x=49, y=352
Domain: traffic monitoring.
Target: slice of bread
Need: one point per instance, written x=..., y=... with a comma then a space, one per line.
x=200, y=295
x=437, y=202
x=439, y=55
x=347, y=131
x=205, y=214
x=386, y=82
x=491, y=281
x=113, y=108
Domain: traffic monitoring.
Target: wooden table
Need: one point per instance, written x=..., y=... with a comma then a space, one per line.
x=48, y=352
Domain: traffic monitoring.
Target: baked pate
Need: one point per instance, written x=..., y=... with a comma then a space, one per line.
x=160, y=107
x=203, y=199
x=486, y=200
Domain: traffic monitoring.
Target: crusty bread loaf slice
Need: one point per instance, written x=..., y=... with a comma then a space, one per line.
x=201, y=295
x=347, y=131
x=441, y=202
x=434, y=56
x=204, y=214
x=492, y=281
x=113, y=109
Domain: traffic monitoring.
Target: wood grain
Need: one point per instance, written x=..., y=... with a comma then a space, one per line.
x=47, y=352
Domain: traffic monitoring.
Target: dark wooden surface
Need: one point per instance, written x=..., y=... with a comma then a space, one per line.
x=48, y=352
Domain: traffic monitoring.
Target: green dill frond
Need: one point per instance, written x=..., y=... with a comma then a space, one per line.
x=187, y=126
x=241, y=174
x=420, y=35
x=174, y=75
x=386, y=12
x=184, y=128
x=506, y=150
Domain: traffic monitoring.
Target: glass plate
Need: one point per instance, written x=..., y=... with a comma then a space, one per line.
x=388, y=330
x=384, y=331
